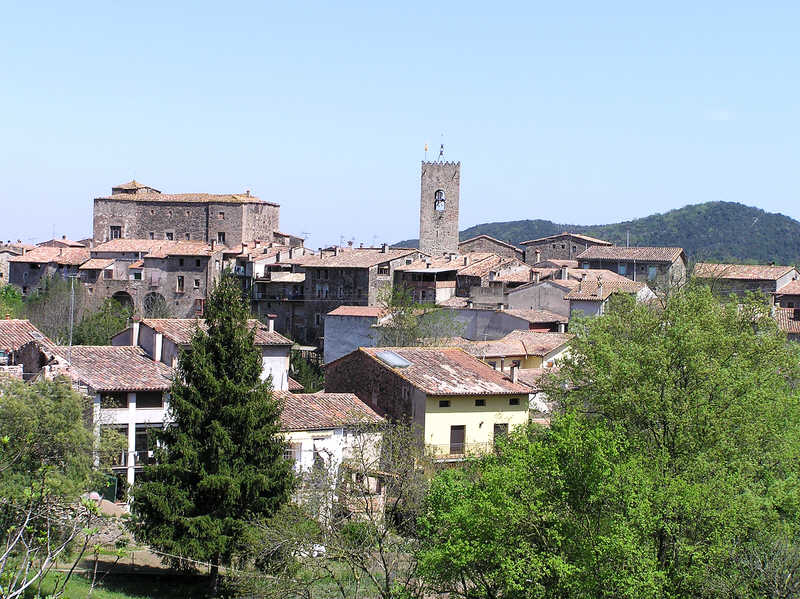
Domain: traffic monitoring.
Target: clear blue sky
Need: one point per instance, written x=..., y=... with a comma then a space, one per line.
x=580, y=112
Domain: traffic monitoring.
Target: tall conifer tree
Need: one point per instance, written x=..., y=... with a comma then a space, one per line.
x=221, y=461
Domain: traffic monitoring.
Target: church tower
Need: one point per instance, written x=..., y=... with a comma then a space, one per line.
x=438, y=207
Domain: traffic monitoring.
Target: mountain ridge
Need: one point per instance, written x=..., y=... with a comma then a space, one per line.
x=716, y=231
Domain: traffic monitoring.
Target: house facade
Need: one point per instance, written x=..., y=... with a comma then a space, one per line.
x=657, y=266
x=487, y=243
x=564, y=246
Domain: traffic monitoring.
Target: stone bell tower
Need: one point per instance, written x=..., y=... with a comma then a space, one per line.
x=438, y=207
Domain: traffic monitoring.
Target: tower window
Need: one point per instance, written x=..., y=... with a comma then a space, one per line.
x=439, y=200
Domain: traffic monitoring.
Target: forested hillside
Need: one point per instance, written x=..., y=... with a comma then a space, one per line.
x=724, y=231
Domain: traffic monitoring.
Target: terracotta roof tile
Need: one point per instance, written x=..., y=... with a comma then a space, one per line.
x=353, y=258
x=51, y=255
x=447, y=371
x=14, y=333
x=651, y=254
x=575, y=235
x=367, y=311
x=156, y=248
x=190, y=198
x=322, y=411
x=518, y=343
x=786, y=322
x=537, y=316
x=180, y=330
x=111, y=368
x=294, y=386
x=96, y=264
x=752, y=272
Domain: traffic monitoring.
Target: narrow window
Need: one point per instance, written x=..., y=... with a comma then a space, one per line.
x=439, y=200
x=180, y=261
x=221, y=216
x=169, y=236
x=197, y=283
x=152, y=235
x=479, y=403
x=221, y=236
x=514, y=401
x=179, y=287
x=187, y=237
x=197, y=262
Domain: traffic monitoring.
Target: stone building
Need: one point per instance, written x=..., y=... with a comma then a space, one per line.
x=352, y=276
x=7, y=252
x=774, y=281
x=655, y=265
x=136, y=211
x=486, y=243
x=154, y=277
x=28, y=270
x=438, y=208
x=564, y=246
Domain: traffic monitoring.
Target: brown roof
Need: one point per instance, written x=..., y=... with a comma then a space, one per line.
x=354, y=258
x=190, y=198
x=575, y=235
x=51, y=255
x=61, y=243
x=112, y=368
x=133, y=184
x=156, y=248
x=180, y=330
x=14, y=333
x=537, y=316
x=590, y=290
x=320, y=411
x=446, y=263
x=96, y=264
x=555, y=263
x=791, y=288
x=518, y=343
x=137, y=264
x=294, y=386
x=649, y=254
x=533, y=376
x=752, y=272
x=494, y=262
x=446, y=371
x=368, y=311
x=786, y=322
x=492, y=239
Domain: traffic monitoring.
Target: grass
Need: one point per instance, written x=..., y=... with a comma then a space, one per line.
x=139, y=585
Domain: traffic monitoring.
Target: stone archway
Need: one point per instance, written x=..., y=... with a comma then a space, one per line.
x=124, y=299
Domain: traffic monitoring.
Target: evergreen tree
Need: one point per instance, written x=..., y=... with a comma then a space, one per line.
x=221, y=461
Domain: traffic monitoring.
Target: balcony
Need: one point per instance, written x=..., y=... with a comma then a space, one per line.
x=453, y=452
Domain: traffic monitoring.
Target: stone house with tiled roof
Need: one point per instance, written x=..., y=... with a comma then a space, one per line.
x=137, y=211
x=591, y=296
x=458, y=404
x=777, y=282
x=563, y=246
x=657, y=266
x=487, y=243
x=27, y=271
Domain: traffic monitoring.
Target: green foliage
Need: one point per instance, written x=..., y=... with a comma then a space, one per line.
x=98, y=327
x=10, y=301
x=714, y=231
x=409, y=323
x=677, y=451
x=49, y=307
x=221, y=464
x=307, y=373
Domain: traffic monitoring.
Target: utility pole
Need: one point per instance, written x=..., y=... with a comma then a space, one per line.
x=71, y=315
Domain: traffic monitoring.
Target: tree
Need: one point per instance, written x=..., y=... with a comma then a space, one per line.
x=49, y=308
x=352, y=531
x=46, y=458
x=98, y=327
x=220, y=463
x=409, y=323
x=10, y=301
x=696, y=406
x=307, y=373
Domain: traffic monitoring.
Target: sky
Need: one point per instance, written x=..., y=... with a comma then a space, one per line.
x=578, y=112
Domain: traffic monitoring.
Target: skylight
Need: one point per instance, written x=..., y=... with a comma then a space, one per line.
x=392, y=359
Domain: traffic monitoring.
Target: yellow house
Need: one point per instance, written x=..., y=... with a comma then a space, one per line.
x=459, y=404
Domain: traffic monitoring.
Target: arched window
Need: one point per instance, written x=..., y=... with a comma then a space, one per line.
x=438, y=200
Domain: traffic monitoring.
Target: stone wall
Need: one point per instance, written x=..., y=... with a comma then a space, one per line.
x=438, y=222
x=487, y=244
x=561, y=247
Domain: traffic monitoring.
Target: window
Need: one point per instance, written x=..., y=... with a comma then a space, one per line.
x=652, y=271
x=188, y=213
x=458, y=434
x=187, y=237
x=169, y=236
x=408, y=260
x=151, y=235
x=383, y=270
x=152, y=211
x=479, y=403
x=493, y=365
x=221, y=216
x=563, y=246
x=180, y=261
x=514, y=401
x=444, y=403
x=500, y=431
x=221, y=236
x=318, y=319
x=197, y=262
x=116, y=232
x=622, y=269
x=112, y=401
x=439, y=200
x=790, y=305
x=152, y=399
x=179, y=287
x=169, y=213
x=137, y=276
x=197, y=283
x=108, y=273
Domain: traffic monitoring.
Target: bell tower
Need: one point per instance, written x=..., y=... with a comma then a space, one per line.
x=438, y=207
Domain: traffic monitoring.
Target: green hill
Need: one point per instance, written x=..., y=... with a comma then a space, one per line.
x=722, y=231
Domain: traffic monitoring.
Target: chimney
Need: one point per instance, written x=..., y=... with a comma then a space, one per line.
x=564, y=273
x=466, y=260
x=247, y=193
x=135, y=333
x=600, y=286
x=64, y=237
x=580, y=283
x=271, y=325
x=336, y=250
x=537, y=256
x=514, y=373
x=213, y=245
x=384, y=248
x=536, y=276
x=158, y=346
x=562, y=328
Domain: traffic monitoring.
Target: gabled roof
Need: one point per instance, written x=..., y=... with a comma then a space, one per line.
x=187, y=198
x=537, y=316
x=491, y=239
x=180, y=330
x=645, y=254
x=156, y=248
x=96, y=264
x=446, y=371
x=585, y=238
x=323, y=411
x=113, y=368
x=366, y=311
x=133, y=185
x=518, y=343
x=749, y=272
x=354, y=258
x=14, y=333
x=294, y=386
x=451, y=262
x=63, y=242
x=791, y=288
x=786, y=322
x=52, y=255
x=590, y=290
